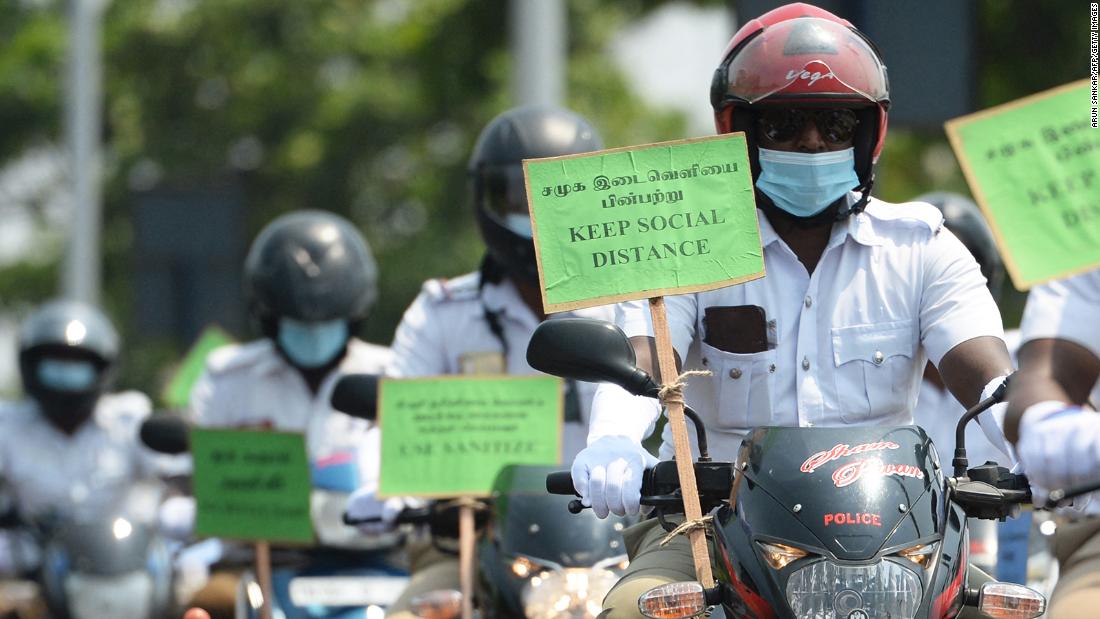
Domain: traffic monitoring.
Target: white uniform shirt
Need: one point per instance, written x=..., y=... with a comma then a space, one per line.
x=252, y=385
x=82, y=475
x=849, y=342
x=445, y=331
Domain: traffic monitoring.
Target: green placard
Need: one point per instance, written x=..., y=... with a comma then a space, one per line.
x=177, y=393
x=1033, y=166
x=251, y=485
x=449, y=436
x=645, y=221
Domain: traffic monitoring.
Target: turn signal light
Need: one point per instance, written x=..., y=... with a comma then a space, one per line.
x=1002, y=600
x=921, y=555
x=441, y=604
x=678, y=600
x=780, y=555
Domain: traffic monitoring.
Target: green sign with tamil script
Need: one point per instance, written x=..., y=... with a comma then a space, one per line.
x=645, y=221
x=251, y=485
x=1034, y=167
x=450, y=435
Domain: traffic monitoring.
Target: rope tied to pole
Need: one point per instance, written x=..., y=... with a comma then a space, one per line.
x=674, y=391
x=687, y=526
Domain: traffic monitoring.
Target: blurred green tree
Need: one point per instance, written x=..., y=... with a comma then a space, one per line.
x=369, y=108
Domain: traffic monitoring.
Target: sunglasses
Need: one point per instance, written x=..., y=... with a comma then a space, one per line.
x=783, y=125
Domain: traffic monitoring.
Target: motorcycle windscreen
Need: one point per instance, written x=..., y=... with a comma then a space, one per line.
x=528, y=521
x=849, y=488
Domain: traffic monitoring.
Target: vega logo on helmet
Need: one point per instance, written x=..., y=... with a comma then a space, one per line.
x=811, y=72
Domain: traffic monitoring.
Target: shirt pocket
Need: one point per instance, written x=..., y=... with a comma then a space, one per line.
x=874, y=368
x=741, y=387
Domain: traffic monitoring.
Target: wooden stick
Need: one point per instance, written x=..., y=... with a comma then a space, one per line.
x=263, y=577
x=466, y=539
x=666, y=363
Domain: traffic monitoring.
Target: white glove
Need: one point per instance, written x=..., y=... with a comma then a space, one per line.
x=1059, y=447
x=364, y=503
x=608, y=475
x=176, y=517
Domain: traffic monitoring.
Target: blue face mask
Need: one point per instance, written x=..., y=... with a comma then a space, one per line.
x=66, y=375
x=520, y=223
x=312, y=344
x=804, y=184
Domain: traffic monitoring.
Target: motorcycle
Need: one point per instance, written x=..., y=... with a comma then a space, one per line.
x=531, y=561
x=113, y=565
x=812, y=523
x=345, y=576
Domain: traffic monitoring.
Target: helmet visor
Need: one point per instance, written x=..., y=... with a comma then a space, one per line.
x=503, y=196
x=807, y=58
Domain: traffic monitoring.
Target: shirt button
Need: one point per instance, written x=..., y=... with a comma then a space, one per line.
x=805, y=363
x=878, y=357
x=771, y=368
x=735, y=373
x=809, y=301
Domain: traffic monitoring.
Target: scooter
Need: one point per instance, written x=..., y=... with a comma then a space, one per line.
x=345, y=576
x=531, y=560
x=812, y=523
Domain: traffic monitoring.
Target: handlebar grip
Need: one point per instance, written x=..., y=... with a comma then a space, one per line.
x=561, y=482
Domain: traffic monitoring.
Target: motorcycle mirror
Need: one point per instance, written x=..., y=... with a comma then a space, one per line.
x=356, y=395
x=165, y=433
x=588, y=350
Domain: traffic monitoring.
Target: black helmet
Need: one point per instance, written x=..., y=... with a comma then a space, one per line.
x=964, y=219
x=310, y=266
x=496, y=176
x=69, y=332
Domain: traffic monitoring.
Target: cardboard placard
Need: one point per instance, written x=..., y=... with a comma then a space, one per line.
x=177, y=393
x=251, y=485
x=644, y=221
x=449, y=436
x=1033, y=166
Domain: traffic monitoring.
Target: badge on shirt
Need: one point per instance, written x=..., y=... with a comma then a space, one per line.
x=487, y=362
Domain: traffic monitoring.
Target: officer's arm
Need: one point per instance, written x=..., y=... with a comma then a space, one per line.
x=1050, y=369
x=969, y=366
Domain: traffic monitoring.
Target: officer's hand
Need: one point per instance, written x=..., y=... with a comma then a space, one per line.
x=196, y=613
x=608, y=475
x=1059, y=447
x=364, y=504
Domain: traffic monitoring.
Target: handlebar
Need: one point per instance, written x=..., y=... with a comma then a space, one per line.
x=661, y=486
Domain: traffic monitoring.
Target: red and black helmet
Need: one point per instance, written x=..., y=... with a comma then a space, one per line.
x=803, y=56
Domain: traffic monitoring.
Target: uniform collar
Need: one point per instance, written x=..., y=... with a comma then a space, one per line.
x=858, y=226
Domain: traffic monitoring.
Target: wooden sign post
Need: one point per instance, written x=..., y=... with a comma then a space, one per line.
x=641, y=223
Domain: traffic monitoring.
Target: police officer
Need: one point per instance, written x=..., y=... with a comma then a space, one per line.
x=310, y=281
x=69, y=449
x=859, y=292
x=1056, y=430
x=480, y=323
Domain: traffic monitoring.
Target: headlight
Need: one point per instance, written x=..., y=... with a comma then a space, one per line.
x=573, y=593
x=825, y=590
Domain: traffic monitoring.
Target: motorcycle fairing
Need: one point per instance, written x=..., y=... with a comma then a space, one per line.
x=850, y=490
